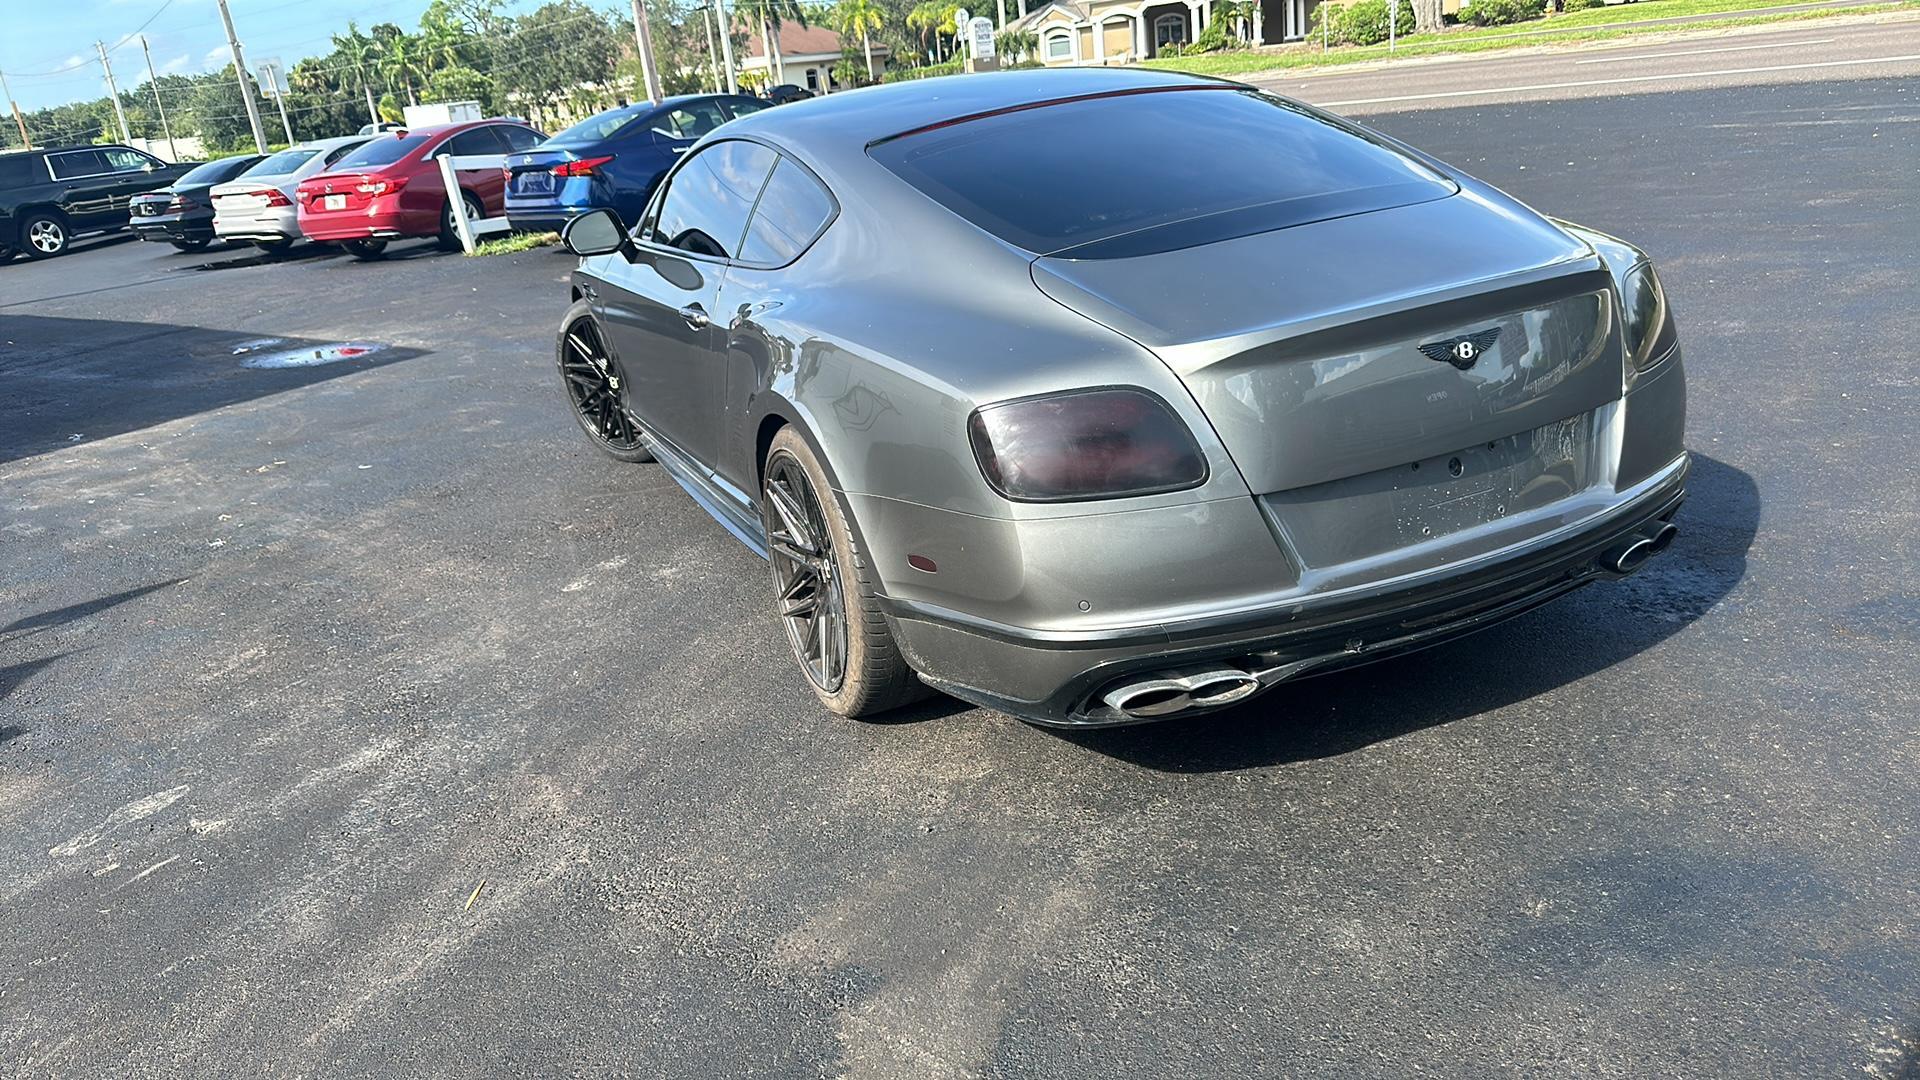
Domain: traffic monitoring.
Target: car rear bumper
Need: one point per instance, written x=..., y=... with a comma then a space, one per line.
x=1061, y=678
x=376, y=224
x=281, y=223
x=170, y=228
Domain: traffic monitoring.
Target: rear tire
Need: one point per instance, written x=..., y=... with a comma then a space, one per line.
x=44, y=235
x=274, y=247
x=366, y=250
x=823, y=589
x=449, y=232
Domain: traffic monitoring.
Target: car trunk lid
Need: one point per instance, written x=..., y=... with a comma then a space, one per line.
x=1303, y=345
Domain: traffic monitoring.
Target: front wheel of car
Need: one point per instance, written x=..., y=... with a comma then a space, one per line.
x=42, y=236
x=365, y=249
x=592, y=385
x=823, y=589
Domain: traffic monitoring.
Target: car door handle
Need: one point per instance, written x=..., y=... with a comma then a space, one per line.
x=680, y=149
x=696, y=316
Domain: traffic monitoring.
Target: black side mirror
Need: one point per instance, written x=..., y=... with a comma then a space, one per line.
x=596, y=232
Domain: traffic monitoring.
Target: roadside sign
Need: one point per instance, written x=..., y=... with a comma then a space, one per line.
x=273, y=77
x=980, y=30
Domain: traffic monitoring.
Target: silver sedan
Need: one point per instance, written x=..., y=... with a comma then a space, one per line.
x=258, y=204
x=1104, y=396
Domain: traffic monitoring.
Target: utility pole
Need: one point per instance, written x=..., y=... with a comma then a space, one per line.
x=643, y=40
x=126, y=134
x=153, y=83
x=726, y=44
x=246, y=88
x=713, y=56
x=25, y=142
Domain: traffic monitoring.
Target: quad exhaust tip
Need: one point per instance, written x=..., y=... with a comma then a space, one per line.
x=1168, y=693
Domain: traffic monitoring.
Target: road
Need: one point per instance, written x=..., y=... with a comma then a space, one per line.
x=359, y=720
x=1842, y=47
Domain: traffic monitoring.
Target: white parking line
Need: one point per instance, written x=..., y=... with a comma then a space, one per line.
x=1701, y=52
x=1615, y=82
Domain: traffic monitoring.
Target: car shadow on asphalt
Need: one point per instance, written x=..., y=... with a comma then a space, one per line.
x=1565, y=641
x=66, y=381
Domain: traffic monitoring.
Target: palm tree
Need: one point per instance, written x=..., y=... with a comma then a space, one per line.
x=863, y=17
x=933, y=17
x=359, y=50
x=402, y=61
x=771, y=15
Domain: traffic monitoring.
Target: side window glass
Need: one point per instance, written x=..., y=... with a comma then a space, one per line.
x=747, y=106
x=78, y=163
x=792, y=212
x=689, y=121
x=339, y=152
x=474, y=142
x=705, y=207
x=121, y=159
x=519, y=138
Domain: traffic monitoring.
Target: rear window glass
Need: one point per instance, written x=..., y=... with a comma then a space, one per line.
x=283, y=162
x=19, y=170
x=77, y=163
x=215, y=171
x=1143, y=173
x=792, y=210
x=596, y=127
x=381, y=151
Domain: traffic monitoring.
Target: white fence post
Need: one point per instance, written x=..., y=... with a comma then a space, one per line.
x=457, y=206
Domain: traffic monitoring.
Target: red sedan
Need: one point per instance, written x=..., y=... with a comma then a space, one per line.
x=391, y=188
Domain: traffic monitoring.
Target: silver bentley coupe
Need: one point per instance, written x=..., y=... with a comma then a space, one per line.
x=1102, y=396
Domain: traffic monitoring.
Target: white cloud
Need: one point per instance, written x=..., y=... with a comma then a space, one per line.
x=218, y=56
x=76, y=60
x=176, y=65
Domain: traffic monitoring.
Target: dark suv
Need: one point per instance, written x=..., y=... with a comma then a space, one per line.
x=49, y=196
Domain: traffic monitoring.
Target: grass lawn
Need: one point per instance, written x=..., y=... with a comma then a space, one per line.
x=1593, y=24
x=512, y=242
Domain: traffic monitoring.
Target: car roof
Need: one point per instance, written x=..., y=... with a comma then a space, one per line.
x=337, y=140
x=854, y=118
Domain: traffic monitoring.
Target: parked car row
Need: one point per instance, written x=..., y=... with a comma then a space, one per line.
x=359, y=191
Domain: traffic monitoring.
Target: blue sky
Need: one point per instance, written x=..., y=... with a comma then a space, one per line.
x=42, y=36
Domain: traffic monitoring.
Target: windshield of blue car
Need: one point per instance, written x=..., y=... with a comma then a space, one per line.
x=381, y=151
x=285, y=161
x=595, y=128
x=1141, y=173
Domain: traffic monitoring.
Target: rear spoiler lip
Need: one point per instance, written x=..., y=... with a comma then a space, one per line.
x=1028, y=106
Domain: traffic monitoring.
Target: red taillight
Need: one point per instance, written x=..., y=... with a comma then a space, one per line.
x=179, y=203
x=273, y=197
x=1090, y=444
x=386, y=185
x=583, y=167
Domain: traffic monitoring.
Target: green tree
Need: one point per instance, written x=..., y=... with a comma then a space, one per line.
x=863, y=17
x=402, y=60
x=360, y=52
x=559, y=52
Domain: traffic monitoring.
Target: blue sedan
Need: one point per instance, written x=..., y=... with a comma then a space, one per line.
x=611, y=160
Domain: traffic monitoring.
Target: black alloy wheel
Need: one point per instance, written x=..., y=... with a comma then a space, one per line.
x=593, y=389
x=806, y=573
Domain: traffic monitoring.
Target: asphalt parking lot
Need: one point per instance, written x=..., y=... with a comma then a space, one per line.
x=361, y=720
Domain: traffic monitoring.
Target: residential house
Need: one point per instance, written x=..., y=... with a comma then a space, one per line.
x=1123, y=31
x=807, y=57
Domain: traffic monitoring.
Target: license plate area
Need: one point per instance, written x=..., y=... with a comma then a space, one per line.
x=333, y=202
x=1434, y=497
x=533, y=182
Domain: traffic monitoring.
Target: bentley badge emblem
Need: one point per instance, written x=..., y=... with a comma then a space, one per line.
x=1461, y=352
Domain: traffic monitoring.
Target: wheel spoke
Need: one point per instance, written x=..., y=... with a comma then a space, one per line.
x=793, y=522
